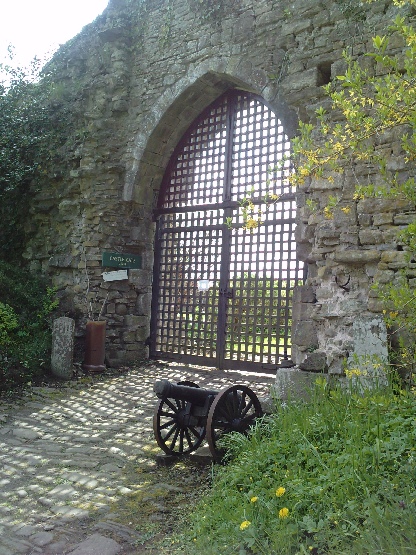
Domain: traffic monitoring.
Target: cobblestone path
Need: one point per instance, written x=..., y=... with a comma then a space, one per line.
x=64, y=454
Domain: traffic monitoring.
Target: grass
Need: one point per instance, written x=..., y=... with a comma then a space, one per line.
x=335, y=475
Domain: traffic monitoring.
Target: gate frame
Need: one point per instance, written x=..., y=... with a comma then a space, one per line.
x=229, y=207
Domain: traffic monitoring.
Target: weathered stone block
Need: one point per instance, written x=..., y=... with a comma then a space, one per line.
x=293, y=384
x=61, y=261
x=370, y=352
x=379, y=206
x=383, y=219
x=314, y=362
x=393, y=260
x=121, y=309
x=140, y=278
x=370, y=236
x=63, y=332
x=306, y=294
x=299, y=81
x=306, y=334
x=143, y=304
x=132, y=321
x=355, y=256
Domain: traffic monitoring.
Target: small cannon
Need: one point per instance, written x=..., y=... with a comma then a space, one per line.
x=186, y=414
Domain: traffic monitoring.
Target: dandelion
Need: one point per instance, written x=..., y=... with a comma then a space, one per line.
x=284, y=513
x=245, y=524
x=280, y=491
x=253, y=499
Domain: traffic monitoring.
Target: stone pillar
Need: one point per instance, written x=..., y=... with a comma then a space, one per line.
x=63, y=347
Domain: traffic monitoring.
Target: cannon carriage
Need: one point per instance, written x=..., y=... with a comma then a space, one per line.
x=186, y=414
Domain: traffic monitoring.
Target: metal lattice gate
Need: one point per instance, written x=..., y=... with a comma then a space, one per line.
x=225, y=263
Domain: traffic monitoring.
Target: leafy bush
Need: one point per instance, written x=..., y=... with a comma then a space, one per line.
x=35, y=116
x=332, y=476
x=25, y=337
x=8, y=322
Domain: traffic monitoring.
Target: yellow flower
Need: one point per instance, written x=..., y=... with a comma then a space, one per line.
x=245, y=524
x=253, y=499
x=280, y=491
x=251, y=223
x=346, y=209
x=284, y=513
x=353, y=372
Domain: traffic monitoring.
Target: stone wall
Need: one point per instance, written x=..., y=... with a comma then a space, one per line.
x=142, y=72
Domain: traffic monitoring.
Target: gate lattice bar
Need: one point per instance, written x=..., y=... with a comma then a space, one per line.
x=225, y=263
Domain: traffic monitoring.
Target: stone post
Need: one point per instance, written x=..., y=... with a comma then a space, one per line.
x=368, y=364
x=63, y=347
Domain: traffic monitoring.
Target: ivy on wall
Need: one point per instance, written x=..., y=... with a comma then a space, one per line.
x=36, y=125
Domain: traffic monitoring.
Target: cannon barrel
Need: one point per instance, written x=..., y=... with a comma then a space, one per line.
x=165, y=389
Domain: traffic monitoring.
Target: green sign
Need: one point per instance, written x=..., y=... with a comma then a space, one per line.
x=117, y=260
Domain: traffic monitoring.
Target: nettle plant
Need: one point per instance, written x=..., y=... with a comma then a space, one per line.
x=370, y=104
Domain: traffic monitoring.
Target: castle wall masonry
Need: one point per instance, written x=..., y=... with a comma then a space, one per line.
x=143, y=71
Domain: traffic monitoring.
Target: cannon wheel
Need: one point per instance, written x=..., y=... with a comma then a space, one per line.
x=173, y=436
x=234, y=409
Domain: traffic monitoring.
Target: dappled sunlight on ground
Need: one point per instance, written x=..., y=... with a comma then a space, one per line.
x=63, y=450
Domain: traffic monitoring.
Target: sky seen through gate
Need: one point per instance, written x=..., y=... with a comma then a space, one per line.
x=250, y=252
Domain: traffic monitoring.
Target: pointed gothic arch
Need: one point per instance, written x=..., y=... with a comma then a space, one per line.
x=223, y=285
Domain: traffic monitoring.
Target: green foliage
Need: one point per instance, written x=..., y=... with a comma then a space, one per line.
x=8, y=322
x=34, y=123
x=334, y=475
x=25, y=338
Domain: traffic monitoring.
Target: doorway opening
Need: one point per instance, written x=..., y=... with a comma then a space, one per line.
x=225, y=253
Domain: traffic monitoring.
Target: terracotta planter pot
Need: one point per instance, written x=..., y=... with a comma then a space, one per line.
x=95, y=347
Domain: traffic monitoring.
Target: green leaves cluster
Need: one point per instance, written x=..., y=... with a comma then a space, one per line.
x=8, y=322
x=25, y=335
x=343, y=465
x=24, y=124
x=35, y=124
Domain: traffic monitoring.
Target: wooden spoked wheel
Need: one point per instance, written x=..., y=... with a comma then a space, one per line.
x=173, y=432
x=234, y=409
